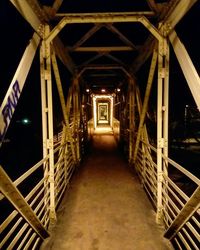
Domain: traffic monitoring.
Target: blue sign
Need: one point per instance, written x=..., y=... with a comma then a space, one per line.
x=9, y=108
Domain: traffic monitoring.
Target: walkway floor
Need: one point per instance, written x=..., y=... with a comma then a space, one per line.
x=105, y=207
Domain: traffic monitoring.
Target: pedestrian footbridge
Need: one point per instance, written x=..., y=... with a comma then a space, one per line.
x=91, y=153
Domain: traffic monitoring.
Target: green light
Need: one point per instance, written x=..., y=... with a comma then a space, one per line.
x=25, y=121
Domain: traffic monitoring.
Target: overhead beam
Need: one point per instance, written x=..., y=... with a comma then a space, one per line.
x=105, y=67
x=115, y=59
x=57, y=4
x=101, y=18
x=166, y=18
x=187, y=67
x=121, y=36
x=87, y=35
x=26, y=10
x=178, y=12
x=33, y=14
x=101, y=49
x=91, y=59
x=135, y=13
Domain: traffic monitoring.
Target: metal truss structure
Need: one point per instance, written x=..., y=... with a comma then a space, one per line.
x=36, y=211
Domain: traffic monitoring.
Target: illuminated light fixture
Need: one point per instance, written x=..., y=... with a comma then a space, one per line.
x=25, y=121
x=103, y=90
x=118, y=89
x=87, y=90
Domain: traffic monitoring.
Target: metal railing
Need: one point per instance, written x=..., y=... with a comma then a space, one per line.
x=116, y=128
x=25, y=218
x=180, y=200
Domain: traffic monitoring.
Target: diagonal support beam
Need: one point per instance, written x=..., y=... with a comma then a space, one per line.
x=102, y=18
x=87, y=35
x=115, y=59
x=57, y=4
x=12, y=96
x=121, y=36
x=26, y=10
x=187, y=67
x=170, y=16
x=17, y=200
x=177, y=13
x=63, y=54
x=33, y=14
x=92, y=59
x=146, y=101
x=185, y=214
x=62, y=100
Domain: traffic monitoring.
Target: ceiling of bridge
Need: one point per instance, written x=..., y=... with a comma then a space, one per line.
x=94, y=44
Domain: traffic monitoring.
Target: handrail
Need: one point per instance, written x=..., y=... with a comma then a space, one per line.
x=18, y=201
x=188, y=210
x=176, y=165
x=180, y=210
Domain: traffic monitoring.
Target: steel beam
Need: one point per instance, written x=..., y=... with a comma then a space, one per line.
x=91, y=59
x=17, y=200
x=47, y=118
x=146, y=101
x=14, y=91
x=101, y=49
x=167, y=17
x=162, y=121
x=76, y=115
x=131, y=112
x=33, y=14
x=185, y=214
x=56, y=5
x=121, y=36
x=28, y=10
x=62, y=101
x=63, y=54
x=136, y=13
x=87, y=35
x=105, y=67
x=101, y=18
x=115, y=59
x=187, y=67
x=177, y=13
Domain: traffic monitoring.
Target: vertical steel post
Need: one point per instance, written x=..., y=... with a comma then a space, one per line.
x=131, y=118
x=162, y=121
x=76, y=116
x=65, y=108
x=47, y=119
x=146, y=101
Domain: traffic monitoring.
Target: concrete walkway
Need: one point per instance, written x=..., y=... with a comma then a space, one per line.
x=105, y=207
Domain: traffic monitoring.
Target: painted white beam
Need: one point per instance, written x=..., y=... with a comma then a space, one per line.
x=187, y=67
x=25, y=9
x=169, y=16
x=14, y=91
x=10, y=191
x=177, y=13
x=33, y=14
